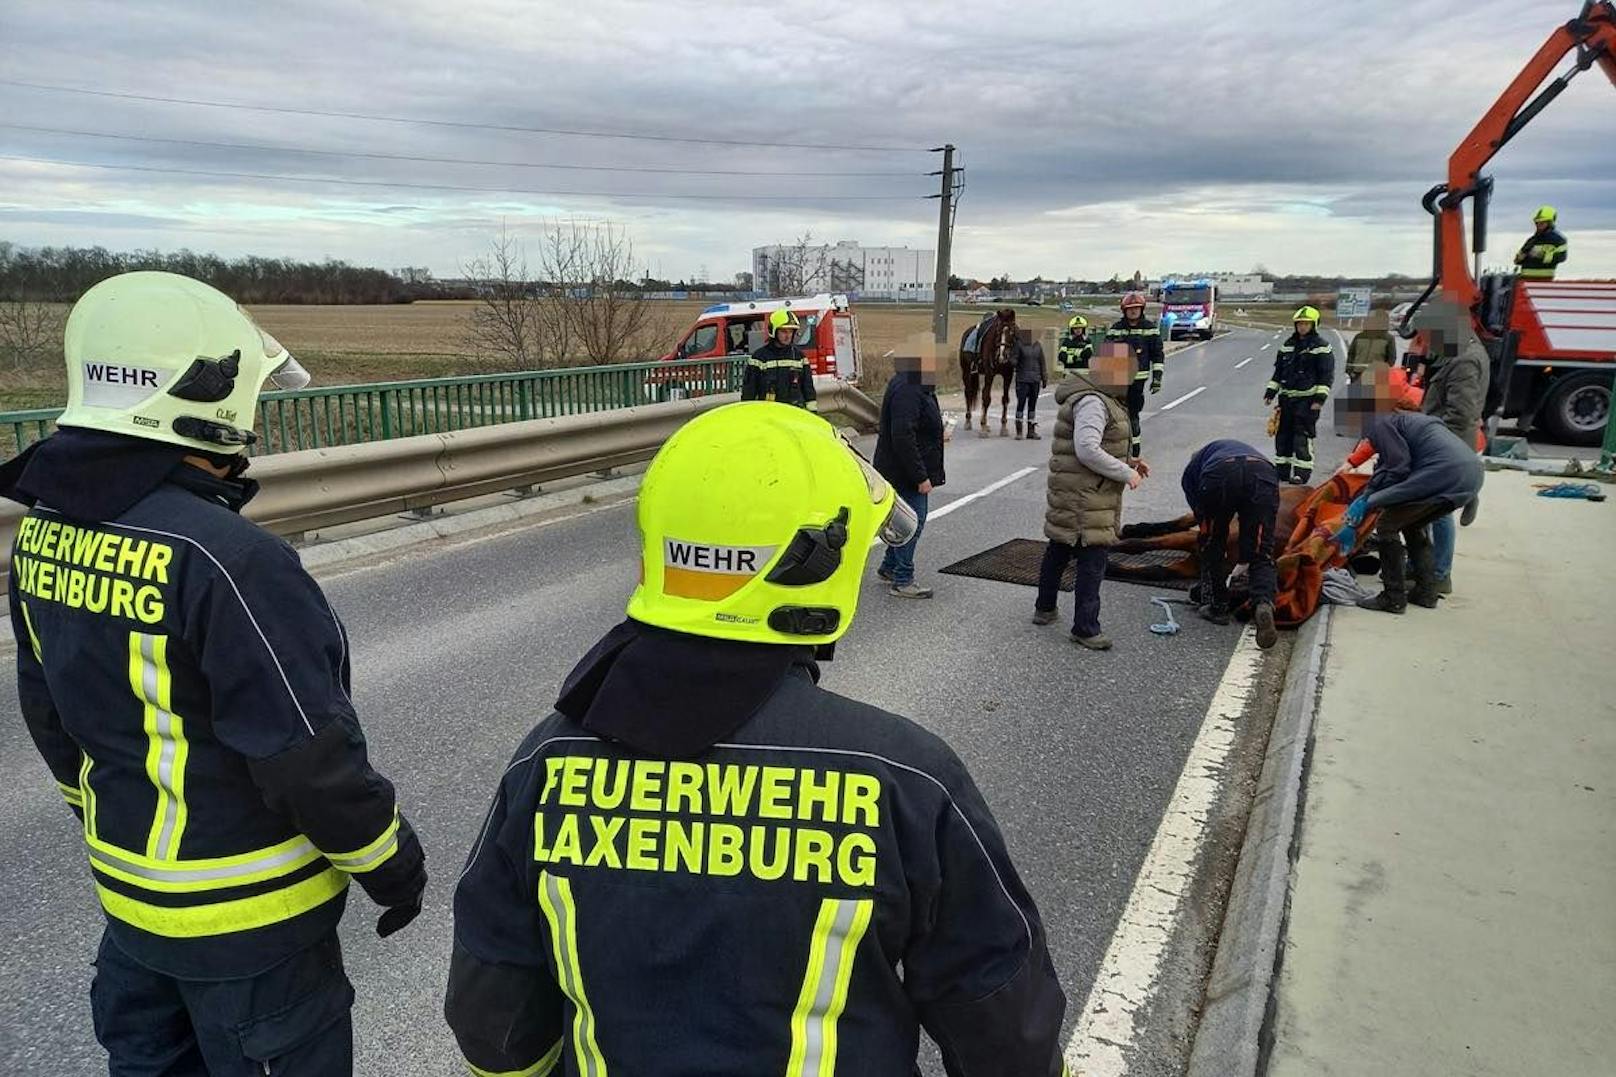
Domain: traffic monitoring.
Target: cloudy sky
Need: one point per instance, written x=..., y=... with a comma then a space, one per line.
x=1097, y=137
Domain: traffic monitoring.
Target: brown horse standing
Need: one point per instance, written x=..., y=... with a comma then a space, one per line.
x=987, y=351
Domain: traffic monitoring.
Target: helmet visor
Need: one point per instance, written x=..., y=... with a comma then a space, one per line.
x=285, y=372
x=901, y=523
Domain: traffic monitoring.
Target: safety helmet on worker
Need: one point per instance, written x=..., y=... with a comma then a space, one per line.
x=755, y=521
x=783, y=319
x=1133, y=299
x=1306, y=314
x=167, y=358
x=1077, y=321
x=1546, y=213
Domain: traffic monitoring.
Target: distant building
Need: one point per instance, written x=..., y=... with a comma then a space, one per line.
x=1243, y=286
x=873, y=272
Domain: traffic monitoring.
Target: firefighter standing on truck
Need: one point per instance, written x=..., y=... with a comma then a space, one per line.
x=1304, y=371
x=1075, y=349
x=705, y=863
x=778, y=371
x=187, y=684
x=1144, y=339
x=1544, y=249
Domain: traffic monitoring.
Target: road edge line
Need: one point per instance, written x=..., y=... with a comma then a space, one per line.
x=1235, y=1032
x=1131, y=969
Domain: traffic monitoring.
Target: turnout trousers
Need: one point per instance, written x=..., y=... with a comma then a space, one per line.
x=1246, y=490
x=292, y=1018
x=1293, y=442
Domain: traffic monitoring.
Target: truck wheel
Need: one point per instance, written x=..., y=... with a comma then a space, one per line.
x=1577, y=408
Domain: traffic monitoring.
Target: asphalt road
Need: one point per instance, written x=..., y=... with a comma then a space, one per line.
x=459, y=649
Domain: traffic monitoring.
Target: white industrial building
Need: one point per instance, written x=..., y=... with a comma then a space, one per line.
x=1247, y=286
x=845, y=266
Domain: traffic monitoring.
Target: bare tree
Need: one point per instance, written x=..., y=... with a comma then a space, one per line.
x=588, y=269
x=505, y=331
x=799, y=267
x=30, y=333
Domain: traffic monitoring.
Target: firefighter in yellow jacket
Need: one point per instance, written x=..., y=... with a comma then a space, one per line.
x=703, y=862
x=187, y=684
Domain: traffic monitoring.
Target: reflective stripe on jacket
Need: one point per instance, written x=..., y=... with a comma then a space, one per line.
x=1303, y=367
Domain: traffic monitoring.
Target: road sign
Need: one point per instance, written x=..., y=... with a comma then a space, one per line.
x=1352, y=303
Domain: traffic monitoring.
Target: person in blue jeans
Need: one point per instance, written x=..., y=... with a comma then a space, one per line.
x=909, y=455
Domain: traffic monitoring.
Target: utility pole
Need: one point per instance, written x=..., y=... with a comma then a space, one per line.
x=945, y=237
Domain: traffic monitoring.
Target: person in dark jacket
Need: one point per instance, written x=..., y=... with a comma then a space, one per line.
x=1423, y=471
x=909, y=455
x=1225, y=481
x=1373, y=344
x=188, y=686
x=1304, y=371
x=1076, y=349
x=704, y=863
x=1143, y=338
x=1455, y=379
x=1089, y=468
x=778, y=371
x=1032, y=374
x=1545, y=249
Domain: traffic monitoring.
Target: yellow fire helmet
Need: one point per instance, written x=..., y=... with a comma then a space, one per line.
x=1077, y=321
x=783, y=319
x=755, y=522
x=168, y=358
x=1546, y=213
x=1306, y=314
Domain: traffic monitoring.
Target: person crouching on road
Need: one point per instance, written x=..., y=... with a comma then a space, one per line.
x=1088, y=470
x=779, y=371
x=909, y=455
x=1423, y=471
x=1228, y=480
x=1304, y=371
x=702, y=862
x=1032, y=374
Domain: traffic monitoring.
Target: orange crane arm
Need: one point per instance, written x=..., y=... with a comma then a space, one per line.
x=1592, y=37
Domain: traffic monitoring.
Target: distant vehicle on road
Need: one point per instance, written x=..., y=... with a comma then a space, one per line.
x=828, y=338
x=1193, y=305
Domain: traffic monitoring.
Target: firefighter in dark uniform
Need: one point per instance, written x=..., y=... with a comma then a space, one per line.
x=187, y=685
x=705, y=863
x=1540, y=256
x=1075, y=349
x=778, y=371
x=1144, y=339
x=1304, y=371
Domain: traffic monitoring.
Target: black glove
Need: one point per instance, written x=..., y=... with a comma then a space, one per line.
x=397, y=918
x=1268, y=398
x=1155, y=385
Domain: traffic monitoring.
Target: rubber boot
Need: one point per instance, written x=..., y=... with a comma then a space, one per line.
x=1018, y=429
x=1393, y=597
x=1032, y=432
x=1422, y=560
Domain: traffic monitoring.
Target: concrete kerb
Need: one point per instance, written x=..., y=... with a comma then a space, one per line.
x=1234, y=1035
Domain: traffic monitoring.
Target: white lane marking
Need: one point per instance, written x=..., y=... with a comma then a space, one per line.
x=960, y=503
x=1180, y=400
x=1133, y=962
x=1244, y=361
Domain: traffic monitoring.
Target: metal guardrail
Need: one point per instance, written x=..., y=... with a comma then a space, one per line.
x=314, y=488
x=293, y=420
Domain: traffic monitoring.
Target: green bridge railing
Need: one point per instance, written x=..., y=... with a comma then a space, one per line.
x=350, y=414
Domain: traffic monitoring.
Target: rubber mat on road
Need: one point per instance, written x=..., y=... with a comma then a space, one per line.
x=1019, y=560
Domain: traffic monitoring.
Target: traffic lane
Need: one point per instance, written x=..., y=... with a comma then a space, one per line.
x=1077, y=752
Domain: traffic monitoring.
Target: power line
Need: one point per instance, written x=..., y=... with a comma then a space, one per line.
x=652, y=195
x=435, y=160
x=572, y=132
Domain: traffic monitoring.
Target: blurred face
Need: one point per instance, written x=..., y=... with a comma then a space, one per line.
x=1112, y=367
x=1359, y=403
x=923, y=366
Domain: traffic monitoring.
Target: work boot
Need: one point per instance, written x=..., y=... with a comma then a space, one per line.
x=909, y=590
x=1043, y=617
x=1267, y=634
x=1467, y=515
x=1100, y=642
x=1018, y=429
x=1216, y=612
x=1393, y=597
x=1422, y=559
x=1032, y=432
x=885, y=574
